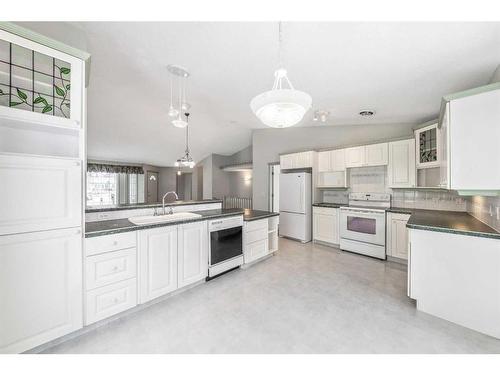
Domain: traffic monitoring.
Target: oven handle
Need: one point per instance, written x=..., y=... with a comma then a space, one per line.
x=362, y=212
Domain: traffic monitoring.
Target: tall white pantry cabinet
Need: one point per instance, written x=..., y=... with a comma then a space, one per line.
x=42, y=166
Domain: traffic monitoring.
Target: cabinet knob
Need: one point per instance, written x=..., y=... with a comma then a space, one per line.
x=115, y=268
x=115, y=243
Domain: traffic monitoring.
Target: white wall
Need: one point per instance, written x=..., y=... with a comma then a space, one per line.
x=268, y=144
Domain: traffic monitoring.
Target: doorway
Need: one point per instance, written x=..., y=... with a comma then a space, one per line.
x=185, y=186
x=152, y=187
x=274, y=187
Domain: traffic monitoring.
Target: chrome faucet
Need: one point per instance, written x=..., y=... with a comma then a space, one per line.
x=163, y=201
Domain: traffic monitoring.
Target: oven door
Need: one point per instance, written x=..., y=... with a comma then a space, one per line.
x=364, y=226
x=225, y=244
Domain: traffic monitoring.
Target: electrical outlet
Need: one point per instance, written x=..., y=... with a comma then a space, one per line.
x=103, y=216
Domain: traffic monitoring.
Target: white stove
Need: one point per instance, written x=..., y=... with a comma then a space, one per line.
x=362, y=224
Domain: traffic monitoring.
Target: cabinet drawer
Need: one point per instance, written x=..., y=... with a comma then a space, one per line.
x=403, y=217
x=255, y=250
x=108, y=268
x=256, y=235
x=325, y=210
x=255, y=225
x=109, y=300
x=112, y=242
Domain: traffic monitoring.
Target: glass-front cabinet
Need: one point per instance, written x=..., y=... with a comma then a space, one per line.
x=427, y=146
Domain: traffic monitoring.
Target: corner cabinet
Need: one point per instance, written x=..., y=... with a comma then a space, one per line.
x=401, y=168
x=41, y=287
x=326, y=225
x=157, y=253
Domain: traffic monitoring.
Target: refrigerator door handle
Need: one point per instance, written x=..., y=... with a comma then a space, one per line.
x=301, y=196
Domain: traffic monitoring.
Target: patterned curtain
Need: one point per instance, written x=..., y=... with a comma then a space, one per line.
x=110, y=168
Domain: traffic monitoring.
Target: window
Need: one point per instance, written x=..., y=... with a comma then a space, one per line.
x=102, y=188
x=109, y=188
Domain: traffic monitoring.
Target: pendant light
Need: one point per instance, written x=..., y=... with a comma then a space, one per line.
x=281, y=107
x=181, y=75
x=186, y=160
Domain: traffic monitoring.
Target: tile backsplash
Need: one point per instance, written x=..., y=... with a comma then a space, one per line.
x=429, y=200
x=485, y=209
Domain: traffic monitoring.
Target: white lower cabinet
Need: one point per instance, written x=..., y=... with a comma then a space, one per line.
x=110, y=300
x=326, y=225
x=260, y=238
x=157, y=250
x=192, y=253
x=40, y=287
x=397, y=235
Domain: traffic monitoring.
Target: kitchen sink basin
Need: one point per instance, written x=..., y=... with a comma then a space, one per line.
x=145, y=220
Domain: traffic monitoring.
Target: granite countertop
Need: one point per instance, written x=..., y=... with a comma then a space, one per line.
x=329, y=205
x=118, y=207
x=251, y=215
x=447, y=222
x=101, y=228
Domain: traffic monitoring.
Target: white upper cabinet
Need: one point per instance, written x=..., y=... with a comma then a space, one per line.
x=364, y=156
x=298, y=160
x=355, y=157
x=324, y=158
x=444, y=149
x=427, y=146
x=376, y=154
x=337, y=160
x=192, y=254
x=157, y=252
x=39, y=193
x=40, y=288
x=401, y=168
x=473, y=133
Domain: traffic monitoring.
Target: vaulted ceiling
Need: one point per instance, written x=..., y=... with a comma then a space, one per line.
x=400, y=70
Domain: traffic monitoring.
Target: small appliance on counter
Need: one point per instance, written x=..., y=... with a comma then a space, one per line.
x=362, y=224
x=295, y=206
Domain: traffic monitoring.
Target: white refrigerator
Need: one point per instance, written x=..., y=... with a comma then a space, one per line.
x=295, y=206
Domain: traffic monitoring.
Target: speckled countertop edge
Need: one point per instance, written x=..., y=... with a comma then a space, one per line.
x=152, y=205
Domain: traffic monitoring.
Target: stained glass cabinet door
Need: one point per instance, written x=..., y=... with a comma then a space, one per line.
x=38, y=83
x=427, y=146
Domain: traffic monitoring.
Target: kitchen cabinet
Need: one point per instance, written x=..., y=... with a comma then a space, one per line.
x=471, y=128
x=298, y=160
x=355, y=157
x=27, y=184
x=192, y=253
x=260, y=238
x=401, y=169
x=397, y=235
x=427, y=150
x=331, y=161
x=376, y=154
x=157, y=253
x=40, y=287
x=326, y=225
x=444, y=147
x=364, y=156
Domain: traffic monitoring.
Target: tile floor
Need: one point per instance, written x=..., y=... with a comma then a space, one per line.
x=306, y=299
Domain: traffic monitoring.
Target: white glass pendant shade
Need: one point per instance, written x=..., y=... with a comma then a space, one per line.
x=179, y=123
x=281, y=108
x=172, y=112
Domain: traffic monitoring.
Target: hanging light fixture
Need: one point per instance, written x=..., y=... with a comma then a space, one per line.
x=281, y=107
x=186, y=160
x=181, y=75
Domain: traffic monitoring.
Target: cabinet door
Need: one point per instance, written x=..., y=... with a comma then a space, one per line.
x=399, y=239
x=192, y=253
x=157, y=262
x=41, y=288
x=337, y=160
x=444, y=150
x=427, y=147
x=324, y=159
x=355, y=157
x=325, y=228
x=39, y=193
x=376, y=154
x=402, y=170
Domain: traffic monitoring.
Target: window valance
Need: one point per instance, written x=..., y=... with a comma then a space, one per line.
x=111, y=168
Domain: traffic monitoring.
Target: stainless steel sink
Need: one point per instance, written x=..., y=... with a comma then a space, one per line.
x=145, y=220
